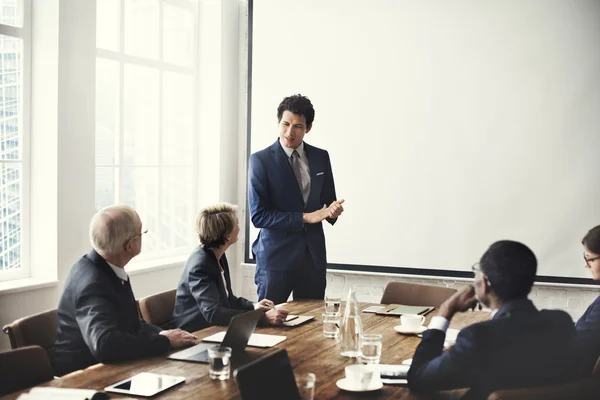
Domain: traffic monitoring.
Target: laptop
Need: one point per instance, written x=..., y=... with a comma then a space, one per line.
x=268, y=378
x=238, y=333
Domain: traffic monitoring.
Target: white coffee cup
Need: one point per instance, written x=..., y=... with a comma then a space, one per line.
x=412, y=321
x=360, y=376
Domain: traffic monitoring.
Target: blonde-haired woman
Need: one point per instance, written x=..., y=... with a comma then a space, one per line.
x=204, y=295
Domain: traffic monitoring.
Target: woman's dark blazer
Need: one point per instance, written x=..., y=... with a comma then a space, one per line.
x=201, y=298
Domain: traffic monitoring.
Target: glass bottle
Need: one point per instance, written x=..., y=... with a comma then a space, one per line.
x=351, y=328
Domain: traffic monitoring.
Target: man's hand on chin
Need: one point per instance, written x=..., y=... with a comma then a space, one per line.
x=458, y=302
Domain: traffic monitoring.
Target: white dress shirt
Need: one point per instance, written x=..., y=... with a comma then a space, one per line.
x=440, y=323
x=121, y=274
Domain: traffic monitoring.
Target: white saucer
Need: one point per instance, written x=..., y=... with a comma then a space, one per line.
x=344, y=384
x=406, y=331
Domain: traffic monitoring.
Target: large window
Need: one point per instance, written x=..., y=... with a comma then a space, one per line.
x=14, y=150
x=146, y=119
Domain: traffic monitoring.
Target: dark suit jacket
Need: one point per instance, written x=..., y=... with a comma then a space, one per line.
x=519, y=347
x=276, y=207
x=201, y=298
x=587, y=339
x=98, y=320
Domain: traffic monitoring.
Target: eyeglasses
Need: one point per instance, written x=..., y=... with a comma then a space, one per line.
x=477, y=267
x=589, y=260
x=136, y=236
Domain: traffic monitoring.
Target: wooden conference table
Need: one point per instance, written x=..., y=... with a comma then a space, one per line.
x=308, y=349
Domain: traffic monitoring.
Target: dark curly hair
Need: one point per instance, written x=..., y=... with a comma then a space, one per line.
x=299, y=105
x=592, y=240
x=510, y=267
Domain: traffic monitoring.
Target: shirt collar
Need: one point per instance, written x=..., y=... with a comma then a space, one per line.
x=494, y=312
x=120, y=272
x=289, y=150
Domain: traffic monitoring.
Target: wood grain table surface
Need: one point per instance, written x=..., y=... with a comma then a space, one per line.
x=308, y=349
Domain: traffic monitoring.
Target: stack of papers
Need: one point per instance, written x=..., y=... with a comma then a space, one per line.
x=53, y=393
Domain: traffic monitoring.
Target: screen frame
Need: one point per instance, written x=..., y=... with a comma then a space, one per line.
x=376, y=269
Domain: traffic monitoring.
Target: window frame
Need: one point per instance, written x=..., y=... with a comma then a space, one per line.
x=161, y=67
x=24, y=33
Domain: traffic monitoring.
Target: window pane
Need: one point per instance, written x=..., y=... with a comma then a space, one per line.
x=178, y=119
x=178, y=35
x=108, y=24
x=11, y=12
x=107, y=110
x=139, y=190
x=10, y=216
x=141, y=28
x=10, y=97
x=140, y=116
x=105, y=186
x=177, y=208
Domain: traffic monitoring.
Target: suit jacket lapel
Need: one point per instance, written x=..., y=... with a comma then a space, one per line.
x=314, y=167
x=282, y=159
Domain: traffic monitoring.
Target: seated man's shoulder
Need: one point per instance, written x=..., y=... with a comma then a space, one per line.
x=557, y=317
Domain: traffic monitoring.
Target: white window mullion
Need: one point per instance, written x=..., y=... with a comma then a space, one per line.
x=159, y=171
x=119, y=174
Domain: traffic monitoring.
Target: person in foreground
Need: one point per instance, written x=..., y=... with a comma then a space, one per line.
x=97, y=315
x=204, y=295
x=290, y=193
x=587, y=338
x=519, y=347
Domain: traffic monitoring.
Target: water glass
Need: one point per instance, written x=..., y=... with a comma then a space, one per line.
x=331, y=325
x=219, y=362
x=370, y=348
x=306, y=385
x=332, y=304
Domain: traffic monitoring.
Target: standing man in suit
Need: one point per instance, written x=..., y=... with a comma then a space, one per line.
x=291, y=191
x=519, y=347
x=98, y=319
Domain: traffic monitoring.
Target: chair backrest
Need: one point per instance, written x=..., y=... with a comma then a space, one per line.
x=34, y=330
x=268, y=378
x=588, y=389
x=22, y=368
x=411, y=294
x=157, y=309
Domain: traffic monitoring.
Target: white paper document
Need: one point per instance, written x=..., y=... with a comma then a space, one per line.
x=256, y=340
x=51, y=393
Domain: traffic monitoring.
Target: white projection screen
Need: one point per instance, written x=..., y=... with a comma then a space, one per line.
x=450, y=124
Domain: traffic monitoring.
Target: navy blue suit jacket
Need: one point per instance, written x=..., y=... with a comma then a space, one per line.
x=587, y=338
x=98, y=320
x=519, y=347
x=276, y=207
x=201, y=297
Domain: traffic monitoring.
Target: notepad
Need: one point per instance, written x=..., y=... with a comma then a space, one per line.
x=256, y=340
x=398, y=309
x=296, y=320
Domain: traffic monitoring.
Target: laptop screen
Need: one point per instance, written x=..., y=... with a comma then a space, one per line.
x=270, y=377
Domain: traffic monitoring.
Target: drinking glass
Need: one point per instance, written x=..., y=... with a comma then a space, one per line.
x=219, y=362
x=331, y=325
x=370, y=348
x=306, y=385
x=332, y=304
